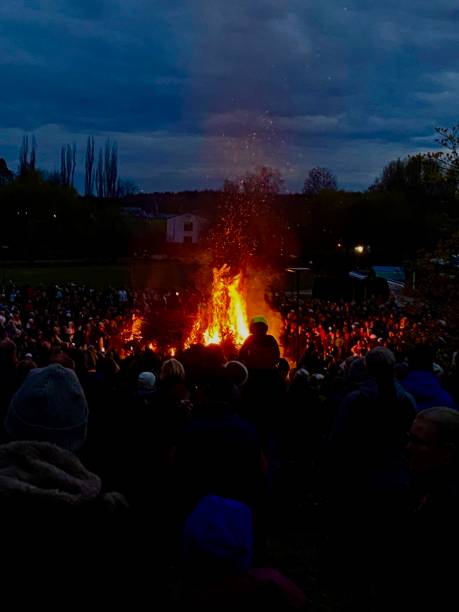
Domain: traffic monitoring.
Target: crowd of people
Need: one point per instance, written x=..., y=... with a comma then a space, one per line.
x=325, y=333
x=179, y=470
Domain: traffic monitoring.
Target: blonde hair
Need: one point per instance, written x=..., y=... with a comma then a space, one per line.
x=172, y=368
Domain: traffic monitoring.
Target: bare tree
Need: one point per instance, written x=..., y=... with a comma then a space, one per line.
x=114, y=170
x=111, y=169
x=89, y=167
x=100, y=180
x=63, y=165
x=33, y=154
x=24, y=155
x=68, y=164
x=72, y=152
x=6, y=176
x=318, y=180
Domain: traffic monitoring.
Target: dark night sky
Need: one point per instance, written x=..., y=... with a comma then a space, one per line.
x=195, y=91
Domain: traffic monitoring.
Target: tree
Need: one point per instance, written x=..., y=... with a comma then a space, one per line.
x=449, y=159
x=106, y=177
x=71, y=161
x=89, y=167
x=246, y=225
x=24, y=156
x=6, y=176
x=265, y=181
x=126, y=188
x=68, y=164
x=111, y=169
x=33, y=154
x=319, y=179
x=27, y=163
x=420, y=177
x=437, y=282
x=99, y=179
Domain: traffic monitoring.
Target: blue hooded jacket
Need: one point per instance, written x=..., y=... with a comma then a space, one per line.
x=426, y=389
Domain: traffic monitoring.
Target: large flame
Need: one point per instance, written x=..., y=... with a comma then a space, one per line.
x=224, y=317
x=133, y=332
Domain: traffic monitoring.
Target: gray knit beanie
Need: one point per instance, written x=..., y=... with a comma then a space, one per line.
x=49, y=406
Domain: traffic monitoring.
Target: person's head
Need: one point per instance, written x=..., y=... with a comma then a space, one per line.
x=258, y=325
x=215, y=355
x=146, y=383
x=284, y=367
x=214, y=395
x=89, y=360
x=355, y=370
x=63, y=359
x=172, y=369
x=236, y=372
x=433, y=441
x=217, y=537
x=316, y=381
x=380, y=362
x=49, y=406
x=23, y=368
x=8, y=353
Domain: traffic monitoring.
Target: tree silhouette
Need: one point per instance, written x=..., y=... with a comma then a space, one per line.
x=24, y=156
x=89, y=167
x=68, y=164
x=100, y=180
x=6, y=176
x=318, y=180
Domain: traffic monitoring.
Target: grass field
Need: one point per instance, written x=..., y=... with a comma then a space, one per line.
x=161, y=275
x=151, y=274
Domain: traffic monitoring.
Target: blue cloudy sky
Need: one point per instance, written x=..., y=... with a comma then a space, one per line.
x=194, y=91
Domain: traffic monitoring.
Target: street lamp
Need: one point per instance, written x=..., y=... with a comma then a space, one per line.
x=297, y=272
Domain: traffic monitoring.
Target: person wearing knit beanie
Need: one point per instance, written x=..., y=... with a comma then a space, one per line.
x=237, y=372
x=49, y=406
x=217, y=536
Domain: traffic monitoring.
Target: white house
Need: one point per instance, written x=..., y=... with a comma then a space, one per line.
x=185, y=228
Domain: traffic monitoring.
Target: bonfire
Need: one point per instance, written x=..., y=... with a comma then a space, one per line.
x=223, y=318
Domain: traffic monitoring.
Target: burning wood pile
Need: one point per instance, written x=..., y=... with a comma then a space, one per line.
x=223, y=318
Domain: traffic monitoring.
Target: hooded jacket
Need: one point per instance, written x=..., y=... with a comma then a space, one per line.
x=426, y=389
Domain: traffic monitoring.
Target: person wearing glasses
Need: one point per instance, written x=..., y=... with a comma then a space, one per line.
x=427, y=543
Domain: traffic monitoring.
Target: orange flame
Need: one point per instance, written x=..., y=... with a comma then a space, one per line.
x=134, y=331
x=225, y=316
x=153, y=346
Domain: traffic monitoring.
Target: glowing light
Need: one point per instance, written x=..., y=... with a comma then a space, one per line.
x=134, y=331
x=224, y=316
x=359, y=249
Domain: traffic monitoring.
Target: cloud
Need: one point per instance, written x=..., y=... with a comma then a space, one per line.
x=195, y=91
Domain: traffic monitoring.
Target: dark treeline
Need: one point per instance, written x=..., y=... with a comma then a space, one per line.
x=412, y=205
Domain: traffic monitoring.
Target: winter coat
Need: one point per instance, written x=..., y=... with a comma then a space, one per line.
x=426, y=389
x=60, y=532
x=369, y=437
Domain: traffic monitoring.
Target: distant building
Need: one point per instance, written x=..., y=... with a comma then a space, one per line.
x=185, y=229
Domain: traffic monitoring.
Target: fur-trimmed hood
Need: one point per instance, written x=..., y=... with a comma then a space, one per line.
x=42, y=472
